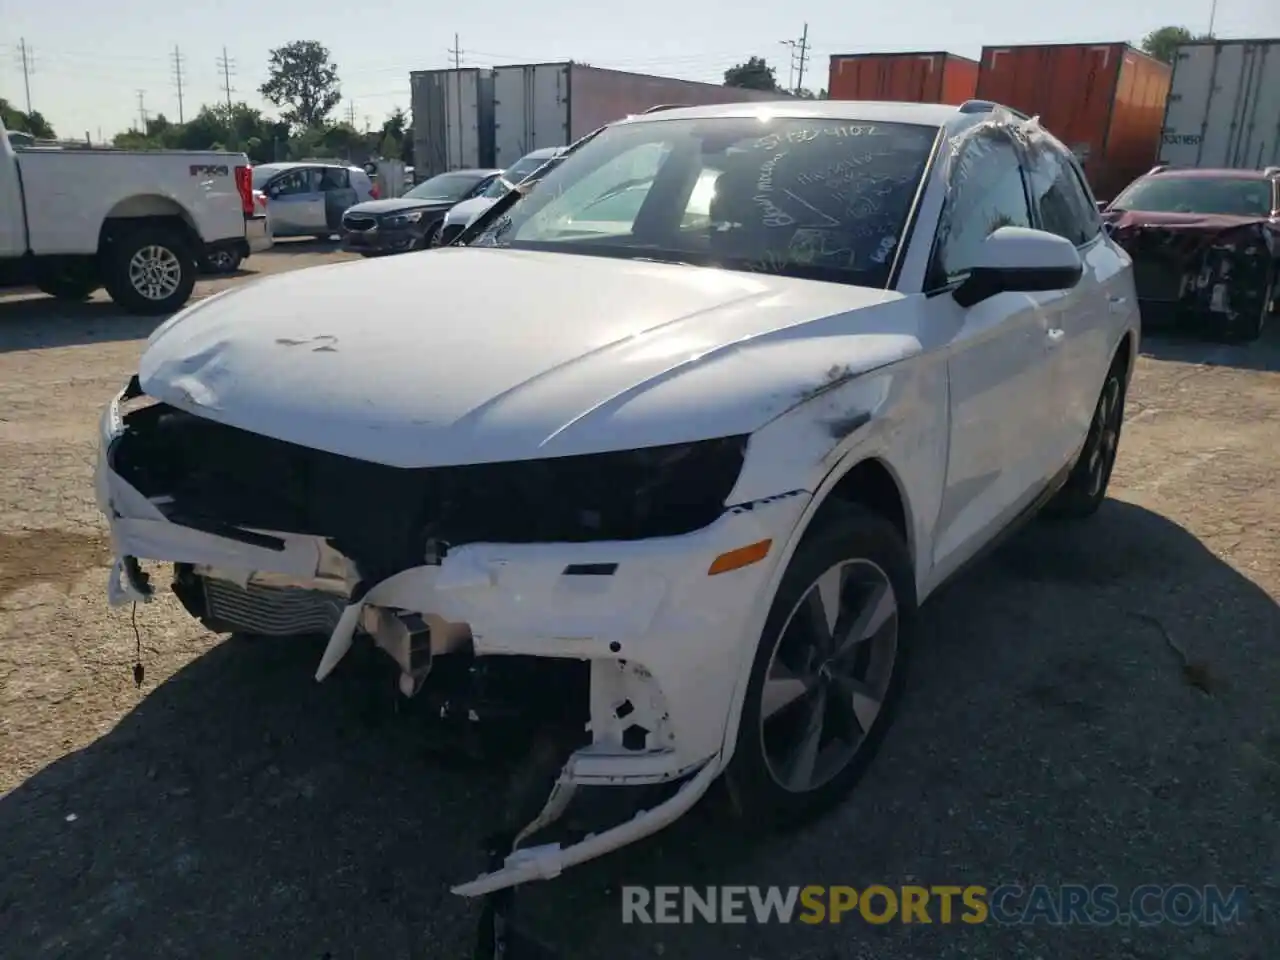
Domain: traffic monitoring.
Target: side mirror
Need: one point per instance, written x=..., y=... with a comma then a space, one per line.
x=1020, y=260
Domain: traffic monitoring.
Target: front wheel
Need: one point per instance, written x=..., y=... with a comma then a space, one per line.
x=828, y=671
x=150, y=270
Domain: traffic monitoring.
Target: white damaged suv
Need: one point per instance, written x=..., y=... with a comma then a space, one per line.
x=687, y=465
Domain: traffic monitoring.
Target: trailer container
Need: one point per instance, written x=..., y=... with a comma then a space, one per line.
x=1224, y=105
x=937, y=77
x=452, y=116
x=1105, y=101
x=553, y=104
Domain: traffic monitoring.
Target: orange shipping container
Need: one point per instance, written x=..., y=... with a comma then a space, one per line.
x=913, y=77
x=1105, y=101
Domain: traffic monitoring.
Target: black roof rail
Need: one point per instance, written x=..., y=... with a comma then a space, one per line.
x=989, y=106
x=665, y=106
x=1159, y=168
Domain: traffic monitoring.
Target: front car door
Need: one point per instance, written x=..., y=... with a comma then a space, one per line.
x=295, y=203
x=1083, y=318
x=997, y=359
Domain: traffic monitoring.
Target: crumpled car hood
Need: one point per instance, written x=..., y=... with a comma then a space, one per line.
x=1192, y=232
x=467, y=355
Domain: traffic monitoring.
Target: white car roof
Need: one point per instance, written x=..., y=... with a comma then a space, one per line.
x=928, y=114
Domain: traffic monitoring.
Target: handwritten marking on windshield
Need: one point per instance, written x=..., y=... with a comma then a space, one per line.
x=765, y=182
x=774, y=216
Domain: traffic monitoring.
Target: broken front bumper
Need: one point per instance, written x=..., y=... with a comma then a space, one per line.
x=668, y=637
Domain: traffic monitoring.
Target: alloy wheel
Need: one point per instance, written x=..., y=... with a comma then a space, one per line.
x=829, y=675
x=1106, y=435
x=155, y=272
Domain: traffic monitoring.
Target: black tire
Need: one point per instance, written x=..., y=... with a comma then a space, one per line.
x=855, y=534
x=222, y=262
x=75, y=289
x=431, y=238
x=1086, y=486
x=168, y=251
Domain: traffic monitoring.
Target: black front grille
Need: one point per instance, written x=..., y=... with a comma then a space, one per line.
x=359, y=223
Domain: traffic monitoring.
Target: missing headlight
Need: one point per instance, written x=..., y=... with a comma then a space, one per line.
x=383, y=517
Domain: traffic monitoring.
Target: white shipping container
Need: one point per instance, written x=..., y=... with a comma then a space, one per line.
x=1224, y=105
x=452, y=118
x=553, y=104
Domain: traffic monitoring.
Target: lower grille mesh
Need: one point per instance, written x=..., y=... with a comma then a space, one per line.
x=271, y=611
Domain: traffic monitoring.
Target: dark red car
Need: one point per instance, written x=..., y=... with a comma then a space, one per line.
x=1205, y=246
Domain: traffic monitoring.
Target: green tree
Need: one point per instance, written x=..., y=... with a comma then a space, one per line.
x=1163, y=43
x=755, y=74
x=303, y=81
x=33, y=123
x=806, y=94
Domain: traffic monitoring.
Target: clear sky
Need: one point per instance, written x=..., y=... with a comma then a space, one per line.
x=91, y=57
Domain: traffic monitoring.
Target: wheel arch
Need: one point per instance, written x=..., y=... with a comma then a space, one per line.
x=148, y=209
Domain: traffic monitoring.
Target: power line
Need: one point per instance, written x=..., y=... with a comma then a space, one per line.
x=228, y=67
x=799, y=57
x=177, y=77
x=28, y=67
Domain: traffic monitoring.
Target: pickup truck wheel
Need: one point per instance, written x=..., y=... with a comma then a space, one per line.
x=150, y=270
x=828, y=672
x=1086, y=486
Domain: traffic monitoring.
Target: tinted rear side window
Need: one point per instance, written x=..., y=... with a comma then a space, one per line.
x=1065, y=207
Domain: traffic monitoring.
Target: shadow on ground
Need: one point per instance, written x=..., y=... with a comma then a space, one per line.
x=1182, y=347
x=1050, y=735
x=39, y=322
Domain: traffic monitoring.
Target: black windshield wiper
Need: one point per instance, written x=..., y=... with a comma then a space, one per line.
x=517, y=193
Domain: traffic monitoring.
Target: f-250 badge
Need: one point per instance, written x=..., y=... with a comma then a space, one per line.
x=203, y=170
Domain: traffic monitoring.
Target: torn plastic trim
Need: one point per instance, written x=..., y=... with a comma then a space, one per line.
x=548, y=861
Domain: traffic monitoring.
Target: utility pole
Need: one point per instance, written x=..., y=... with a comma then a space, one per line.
x=351, y=114
x=227, y=66
x=28, y=67
x=1213, y=15
x=457, y=52
x=177, y=77
x=142, y=112
x=804, y=57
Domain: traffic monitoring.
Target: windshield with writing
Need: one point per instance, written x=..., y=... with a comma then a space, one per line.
x=1222, y=196
x=815, y=198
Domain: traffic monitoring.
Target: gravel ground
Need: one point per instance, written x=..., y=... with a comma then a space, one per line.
x=1094, y=704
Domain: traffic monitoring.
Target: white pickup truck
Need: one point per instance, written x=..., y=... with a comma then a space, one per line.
x=138, y=223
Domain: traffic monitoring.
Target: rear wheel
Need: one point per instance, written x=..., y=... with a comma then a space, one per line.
x=828, y=672
x=1086, y=486
x=150, y=270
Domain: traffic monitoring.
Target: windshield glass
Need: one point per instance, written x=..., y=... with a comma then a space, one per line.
x=1231, y=196
x=519, y=170
x=816, y=198
x=446, y=186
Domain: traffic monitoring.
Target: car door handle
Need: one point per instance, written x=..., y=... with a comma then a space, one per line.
x=1055, y=336
x=1117, y=303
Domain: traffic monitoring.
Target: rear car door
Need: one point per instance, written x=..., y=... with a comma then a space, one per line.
x=295, y=202
x=1082, y=319
x=997, y=359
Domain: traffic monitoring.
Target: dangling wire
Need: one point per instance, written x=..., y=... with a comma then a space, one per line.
x=138, y=672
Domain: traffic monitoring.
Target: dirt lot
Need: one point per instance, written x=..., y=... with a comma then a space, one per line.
x=1092, y=705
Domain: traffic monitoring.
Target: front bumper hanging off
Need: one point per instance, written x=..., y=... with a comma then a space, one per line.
x=664, y=635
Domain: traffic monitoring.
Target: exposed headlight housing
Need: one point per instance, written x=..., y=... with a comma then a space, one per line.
x=223, y=478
